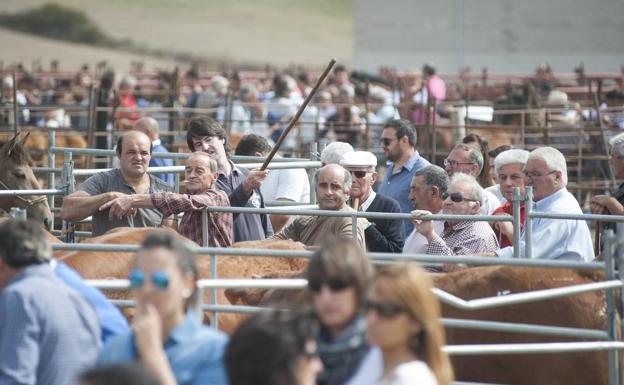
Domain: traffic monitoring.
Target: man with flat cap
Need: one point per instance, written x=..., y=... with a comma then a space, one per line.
x=381, y=235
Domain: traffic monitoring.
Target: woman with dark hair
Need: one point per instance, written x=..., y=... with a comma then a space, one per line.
x=339, y=275
x=275, y=348
x=481, y=144
x=170, y=342
x=402, y=318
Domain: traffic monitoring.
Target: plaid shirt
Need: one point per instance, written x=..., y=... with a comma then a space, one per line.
x=219, y=224
x=463, y=238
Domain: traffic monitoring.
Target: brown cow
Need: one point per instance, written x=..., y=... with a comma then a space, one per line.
x=580, y=311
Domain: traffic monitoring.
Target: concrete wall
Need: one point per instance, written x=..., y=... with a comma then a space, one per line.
x=504, y=35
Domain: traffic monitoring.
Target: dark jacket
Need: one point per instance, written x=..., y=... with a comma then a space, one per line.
x=384, y=235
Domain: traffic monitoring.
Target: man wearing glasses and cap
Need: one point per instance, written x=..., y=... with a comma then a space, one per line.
x=382, y=235
x=463, y=197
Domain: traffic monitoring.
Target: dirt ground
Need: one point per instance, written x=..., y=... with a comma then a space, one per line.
x=279, y=32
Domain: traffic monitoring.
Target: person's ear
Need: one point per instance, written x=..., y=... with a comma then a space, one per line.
x=374, y=177
x=435, y=192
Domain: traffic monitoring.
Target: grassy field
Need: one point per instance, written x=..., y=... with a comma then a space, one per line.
x=279, y=32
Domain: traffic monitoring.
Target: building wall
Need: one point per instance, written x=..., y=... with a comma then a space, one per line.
x=503, y=35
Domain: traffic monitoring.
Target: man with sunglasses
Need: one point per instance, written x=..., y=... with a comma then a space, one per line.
x=546, y=172
x=398, y=142
x=468, y=160
x=382, y=235
x=463, y=197
x=332, y=183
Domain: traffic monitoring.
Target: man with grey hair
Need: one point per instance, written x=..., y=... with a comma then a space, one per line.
x=428, y=186
x=201, y=173
x=614, y=204
x=48, y=333
x=333, y=153
x=463, y=197
x=333, y=183
x=468, y=160
x=546, y=172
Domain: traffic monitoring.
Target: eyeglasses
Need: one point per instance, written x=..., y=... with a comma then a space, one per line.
x=359, y=174
x=457, y=197
x=535, y=174
x=387, y=141
x=333, y=284
x=454, y=163
x=383, y=309
x=160, y=279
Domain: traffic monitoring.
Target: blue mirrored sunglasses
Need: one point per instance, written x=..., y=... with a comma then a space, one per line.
x=160, y=279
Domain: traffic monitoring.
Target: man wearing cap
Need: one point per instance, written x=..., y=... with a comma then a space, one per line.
x=381, y=235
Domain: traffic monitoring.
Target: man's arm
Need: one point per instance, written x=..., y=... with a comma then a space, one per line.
x=125, y=204
x=19, y=348
x=79, y=205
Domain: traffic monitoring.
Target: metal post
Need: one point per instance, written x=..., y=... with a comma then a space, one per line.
x=314, y=155
x=354, y=226
x=528, y=232
x=176, y=178
x=15, y=107
x=515, y=210
x=51, y=161
x=609, y=239
x=213, y=268
x=620, y=262
x=68, y=183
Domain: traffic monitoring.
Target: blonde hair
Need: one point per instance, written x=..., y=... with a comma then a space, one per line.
x=411, y=288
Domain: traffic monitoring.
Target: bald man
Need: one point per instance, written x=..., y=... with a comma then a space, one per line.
x=134, y=151
x=149, y=126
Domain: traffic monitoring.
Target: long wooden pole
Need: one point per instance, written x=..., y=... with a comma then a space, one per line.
x=15, y=108
x=297, y=115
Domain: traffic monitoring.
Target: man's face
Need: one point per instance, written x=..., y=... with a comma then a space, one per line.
x=330, y=188
x=390, y=145
x=363, y=180
x=459, y=161
x=464, y=207
x=618, y=165
x=199, y=177
x=510, y=176
x=420, y=194
x=211, y=145
x=543, y=181
x=135, y=155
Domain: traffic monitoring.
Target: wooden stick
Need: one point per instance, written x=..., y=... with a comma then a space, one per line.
x=297, y=115
x=356, y=204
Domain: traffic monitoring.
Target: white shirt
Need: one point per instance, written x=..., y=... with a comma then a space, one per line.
x=497, y=193
x=490, y=203
x=416, y=243
x=410, y=373
x=366, y=204
x=291, y=184
x=370, y=369
x=557, y=238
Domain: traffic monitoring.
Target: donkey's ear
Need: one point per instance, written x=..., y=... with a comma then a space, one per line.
x=22, y=137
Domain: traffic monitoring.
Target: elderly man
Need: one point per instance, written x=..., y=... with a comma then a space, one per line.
x=429, y=184
x=468, y=160
x=509, y=168
x=382, y=235
x=334, y=152
x=134, y=152
x=241, y=185
x=463, y=197
x=398, y=142
x=546, y=172
x=48, y=333
x=332, y=183
x=149, y=126
x=201, y=171
x=614, y=204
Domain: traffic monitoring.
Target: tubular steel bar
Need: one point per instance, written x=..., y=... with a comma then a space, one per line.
x=550, y=347
x=528, y=231
x=516, y=199
x=30, y=192
x=609, y=240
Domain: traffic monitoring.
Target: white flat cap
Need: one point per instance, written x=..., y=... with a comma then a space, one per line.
x=359, y=159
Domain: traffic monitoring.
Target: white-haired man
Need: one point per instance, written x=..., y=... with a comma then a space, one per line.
x=382, y=235
x=463, y=197
x=468, y=160
x=333, y=153
x=546, y=172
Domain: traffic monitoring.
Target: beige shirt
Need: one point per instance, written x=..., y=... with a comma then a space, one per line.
x=314, y=231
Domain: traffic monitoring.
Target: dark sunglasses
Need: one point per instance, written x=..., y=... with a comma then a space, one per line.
x=387, y=141
x=333, y=284
x=359, y=174
x=160, y=279
x=384, y=309
x=457, y=197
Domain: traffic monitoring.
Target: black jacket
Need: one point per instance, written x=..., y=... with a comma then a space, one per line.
x=384, y=235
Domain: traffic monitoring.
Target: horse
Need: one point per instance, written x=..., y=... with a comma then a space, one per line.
x=16, y=174
x=581, y=311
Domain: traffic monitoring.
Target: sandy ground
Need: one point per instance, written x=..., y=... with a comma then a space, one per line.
x=279, y=32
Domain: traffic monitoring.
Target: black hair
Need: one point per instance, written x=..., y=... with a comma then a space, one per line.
x=23, y=243
x=126, y=374
x=203, y=126
x=266, y=348
x=403, y=128
x=252, y=143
